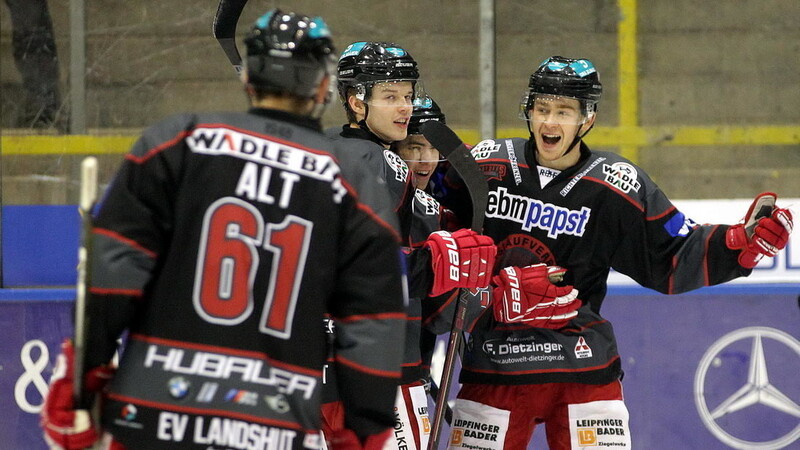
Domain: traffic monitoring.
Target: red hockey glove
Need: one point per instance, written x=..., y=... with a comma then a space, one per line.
x=463, y=259
x=764, y=231
x=346, y=439
x=527, y=295
x=65, y=427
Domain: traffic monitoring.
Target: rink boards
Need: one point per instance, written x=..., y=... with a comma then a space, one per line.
x=716, y=368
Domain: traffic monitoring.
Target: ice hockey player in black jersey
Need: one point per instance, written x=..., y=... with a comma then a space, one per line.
x=542, y=353
x=378, y=83
x=222, y=242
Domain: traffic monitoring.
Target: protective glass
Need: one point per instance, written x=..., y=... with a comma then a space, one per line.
x=396, y=93
x=554, y=109
x=416, y=148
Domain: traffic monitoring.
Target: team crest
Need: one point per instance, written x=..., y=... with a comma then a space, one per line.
x=523, y=250
x=397, y=164
x=484, y=149
x=622, y=176
x=429, y=204
x=494, y=171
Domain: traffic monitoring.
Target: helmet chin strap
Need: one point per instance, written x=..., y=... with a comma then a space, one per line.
x=575, y=140
x=363, y=125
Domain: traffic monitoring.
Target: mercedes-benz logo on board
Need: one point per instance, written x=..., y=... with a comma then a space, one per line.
x=734, y=393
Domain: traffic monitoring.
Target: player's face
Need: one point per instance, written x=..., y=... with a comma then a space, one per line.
x=555, y=121
x=421, y=157
x=390, y=106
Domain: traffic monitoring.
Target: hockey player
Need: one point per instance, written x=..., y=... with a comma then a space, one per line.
x=220, y=245
x=421, y=157
x=378, y=83
x=544, y=354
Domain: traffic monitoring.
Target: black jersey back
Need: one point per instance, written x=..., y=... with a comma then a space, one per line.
x=234, y=234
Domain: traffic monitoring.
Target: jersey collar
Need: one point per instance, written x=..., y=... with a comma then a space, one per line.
x=283, y=116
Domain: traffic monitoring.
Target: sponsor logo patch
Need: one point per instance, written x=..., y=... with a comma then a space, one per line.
x=484, y=149
x=207, y=392
x=531, y=213
x=679, y=225
x=622, y=176
x=179, y=387
x=277, y=403
x=429, y=204
x=582, y=349
x=397, y=164
x=242, y=397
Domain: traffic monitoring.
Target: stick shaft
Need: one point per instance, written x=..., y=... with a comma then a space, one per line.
x=88, y=196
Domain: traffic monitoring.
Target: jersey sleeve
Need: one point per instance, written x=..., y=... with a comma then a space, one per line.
x=667, y=251
x=367, y=185
x=130, y=231
x=368, y=308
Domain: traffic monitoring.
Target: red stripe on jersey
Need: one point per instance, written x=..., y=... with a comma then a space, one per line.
x=226, y=351
x=586, y=326
x=501, y=160
x=671, y=278
x=441, y=308
x=706, y=279
x=377, y=219
x=112, y=291
x=127, y=241
x=377, y=316
x=616, y=191
x=209, y=412
x=412, y=364
x=368, y=370
x=658, y=216
x=157, y=149
x=528, y=372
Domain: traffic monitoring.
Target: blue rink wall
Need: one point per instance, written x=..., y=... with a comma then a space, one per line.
x=713, y=369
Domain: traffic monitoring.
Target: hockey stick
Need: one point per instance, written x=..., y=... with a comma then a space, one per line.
x=460, y=158
x=224, y=29
x=88, y=196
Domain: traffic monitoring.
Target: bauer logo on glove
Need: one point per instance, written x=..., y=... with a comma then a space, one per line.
x=528, y=295
x=463, y=259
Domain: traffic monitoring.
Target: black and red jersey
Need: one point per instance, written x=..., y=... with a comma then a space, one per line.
x=602, y=213
x=220, y=245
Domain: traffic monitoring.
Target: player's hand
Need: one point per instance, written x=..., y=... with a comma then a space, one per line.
x=527, y=295
x=64, y=426
x=764, y=231
x=347, y=440
x=463, y=259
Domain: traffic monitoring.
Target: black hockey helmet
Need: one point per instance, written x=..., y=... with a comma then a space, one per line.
x=289, y=53
x=362, y=64
x=564, y=77
x=425, y=109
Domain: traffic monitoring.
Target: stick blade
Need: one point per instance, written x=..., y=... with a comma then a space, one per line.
x=441, y=136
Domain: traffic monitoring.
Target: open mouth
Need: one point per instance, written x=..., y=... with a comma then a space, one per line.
x=402, y=122
x=551, y=139
x=423, y=173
